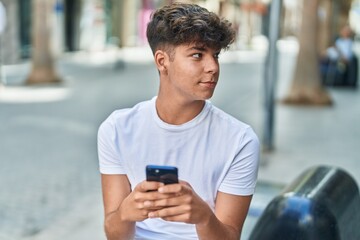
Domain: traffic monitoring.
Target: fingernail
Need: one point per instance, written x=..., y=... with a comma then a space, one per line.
x=161, y=190
x=147, y=203
x=151, y=215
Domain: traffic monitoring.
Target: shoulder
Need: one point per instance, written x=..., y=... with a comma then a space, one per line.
x=226, y=119
x=126, y=116
x=232, y=126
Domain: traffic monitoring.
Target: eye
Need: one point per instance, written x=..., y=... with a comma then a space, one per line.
x=217, y=55
x=197, y=55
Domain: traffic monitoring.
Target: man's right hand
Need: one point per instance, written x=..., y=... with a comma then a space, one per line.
x=135, y=206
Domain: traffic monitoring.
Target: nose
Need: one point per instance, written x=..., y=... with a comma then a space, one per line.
x=211, y=64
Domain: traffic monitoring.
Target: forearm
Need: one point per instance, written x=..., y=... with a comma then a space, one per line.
x=118, y=229
x=215, y=229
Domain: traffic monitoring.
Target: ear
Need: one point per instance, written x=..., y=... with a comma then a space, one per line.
x=161, y=59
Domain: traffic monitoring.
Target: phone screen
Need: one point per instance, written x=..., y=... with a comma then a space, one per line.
x=164, y=174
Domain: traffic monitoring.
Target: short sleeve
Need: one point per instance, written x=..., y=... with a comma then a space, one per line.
x=242, y=175
x=108, y=151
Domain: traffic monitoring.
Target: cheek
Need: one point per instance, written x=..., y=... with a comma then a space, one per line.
x=193, y=71
x=184, y=66
x=184, y=71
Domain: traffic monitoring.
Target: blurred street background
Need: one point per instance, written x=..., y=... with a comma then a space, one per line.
x=66, y=65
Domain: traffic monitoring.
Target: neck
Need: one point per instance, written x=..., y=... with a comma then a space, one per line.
x=175, y=112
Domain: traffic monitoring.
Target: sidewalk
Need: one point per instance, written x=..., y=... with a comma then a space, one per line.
x=304, y=136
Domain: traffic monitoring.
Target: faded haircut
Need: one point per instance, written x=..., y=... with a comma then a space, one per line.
x=182, y=23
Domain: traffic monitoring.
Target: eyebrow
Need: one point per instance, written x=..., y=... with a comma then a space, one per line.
x=199, y=48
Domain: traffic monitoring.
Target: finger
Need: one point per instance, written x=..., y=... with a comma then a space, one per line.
x=146, y=186
x=186, y=218
x=171, y=188
x=141, y=197
x=172, y=201
x=170, y=211
x=155, y=195
x=146, y=207
x=185, y=183
x=150, y=205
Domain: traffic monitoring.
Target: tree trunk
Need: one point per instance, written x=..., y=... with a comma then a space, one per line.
x=306, y=87
x=43, y=70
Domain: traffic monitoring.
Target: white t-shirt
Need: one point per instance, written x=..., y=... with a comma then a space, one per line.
x=344, y=45
x=213, y=152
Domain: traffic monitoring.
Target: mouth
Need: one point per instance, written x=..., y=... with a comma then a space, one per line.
x=209, y=84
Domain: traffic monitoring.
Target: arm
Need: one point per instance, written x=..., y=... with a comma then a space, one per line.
x=115, y=189
x=230, y=214
x=124, y=207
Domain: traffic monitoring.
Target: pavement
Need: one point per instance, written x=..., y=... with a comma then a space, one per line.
x=49, y=181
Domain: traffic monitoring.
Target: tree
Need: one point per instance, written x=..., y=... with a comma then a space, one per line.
x=43, y=70
x=306, y=86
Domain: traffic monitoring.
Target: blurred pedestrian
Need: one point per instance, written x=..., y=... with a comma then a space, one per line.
x=216, y=154
x=341, y=61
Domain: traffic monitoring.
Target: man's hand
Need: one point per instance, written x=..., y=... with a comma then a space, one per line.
x=134, y=207
x=180, y=203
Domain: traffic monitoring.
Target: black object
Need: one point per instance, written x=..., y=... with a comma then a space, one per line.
x=323, y=203
x=164, y=174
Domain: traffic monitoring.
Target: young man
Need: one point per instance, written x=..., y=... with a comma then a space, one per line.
x=217, y=155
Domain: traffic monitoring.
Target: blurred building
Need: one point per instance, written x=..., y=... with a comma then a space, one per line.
x=92, y=25
x=8, y=38
x=16, y=39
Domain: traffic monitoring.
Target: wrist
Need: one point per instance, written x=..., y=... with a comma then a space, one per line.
x=122, y=215
x=207, y=219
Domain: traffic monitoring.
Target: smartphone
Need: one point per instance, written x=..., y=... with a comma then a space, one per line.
x=164, y=174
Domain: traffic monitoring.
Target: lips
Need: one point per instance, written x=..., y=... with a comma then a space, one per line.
x=209, y=84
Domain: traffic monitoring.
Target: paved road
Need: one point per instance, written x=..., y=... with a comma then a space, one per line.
x=48, y=170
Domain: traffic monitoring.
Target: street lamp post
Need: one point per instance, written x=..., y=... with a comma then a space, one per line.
x=270, y=75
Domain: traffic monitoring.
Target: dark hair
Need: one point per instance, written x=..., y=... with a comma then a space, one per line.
x=182, y=23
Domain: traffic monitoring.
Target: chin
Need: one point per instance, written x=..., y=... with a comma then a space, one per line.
x=202, y=96
x=207, y=97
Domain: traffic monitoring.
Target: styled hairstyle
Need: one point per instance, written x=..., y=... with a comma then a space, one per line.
x=182, y=23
